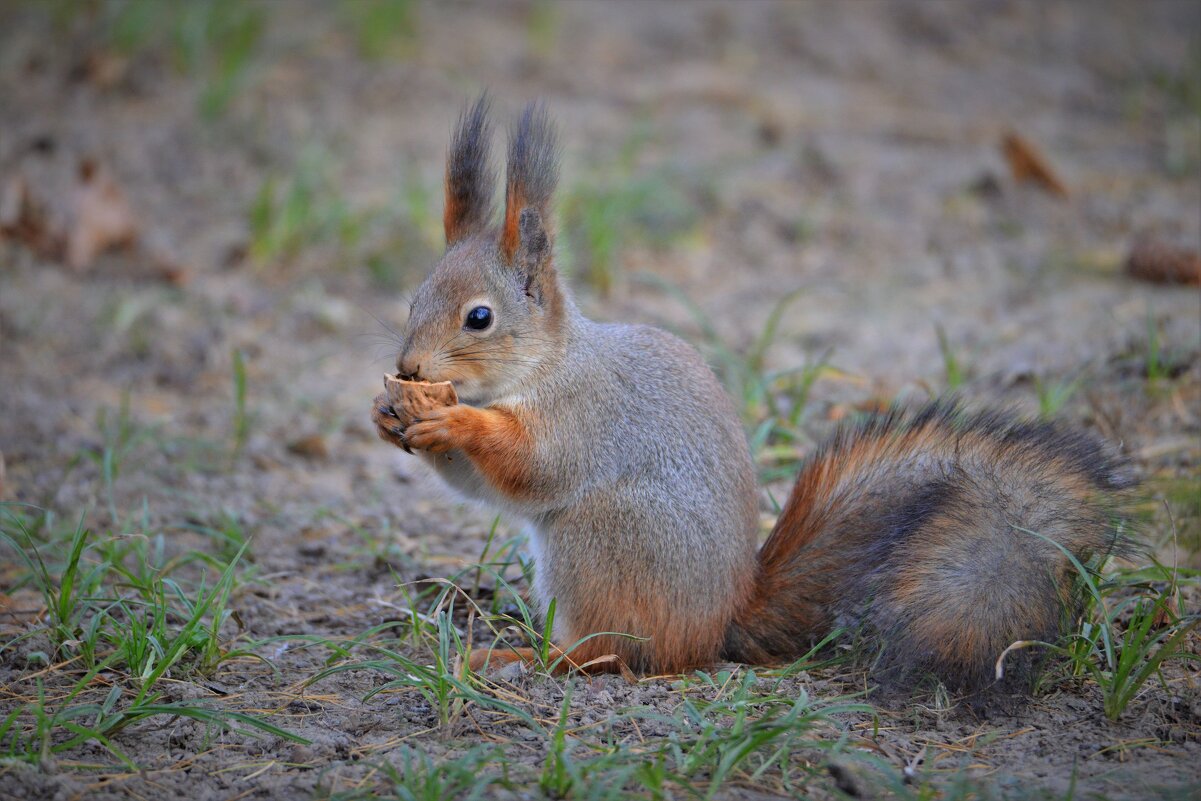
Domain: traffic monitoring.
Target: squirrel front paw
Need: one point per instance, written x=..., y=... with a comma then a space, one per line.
x=440, y=430
x=387, y=424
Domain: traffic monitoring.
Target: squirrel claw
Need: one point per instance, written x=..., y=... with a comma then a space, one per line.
x=388, y=423
x=436, y=430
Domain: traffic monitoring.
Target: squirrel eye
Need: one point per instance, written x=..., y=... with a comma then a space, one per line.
x=479, y=318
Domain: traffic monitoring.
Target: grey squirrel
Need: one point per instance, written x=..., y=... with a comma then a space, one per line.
x=619, y=448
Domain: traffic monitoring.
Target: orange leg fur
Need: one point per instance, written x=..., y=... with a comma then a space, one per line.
x=494, y=439
x=498, y=657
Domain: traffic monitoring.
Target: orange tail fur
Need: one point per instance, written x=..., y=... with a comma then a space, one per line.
x=916, y=530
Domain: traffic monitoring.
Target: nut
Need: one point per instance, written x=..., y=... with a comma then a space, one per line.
x=411, y=399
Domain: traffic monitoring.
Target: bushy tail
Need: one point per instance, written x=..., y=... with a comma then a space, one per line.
x=933, y=533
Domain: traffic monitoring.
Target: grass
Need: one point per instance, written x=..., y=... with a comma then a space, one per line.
x=620, y=206
x=734, y=728
x=241, y=425
x=381, y=28
x=220, y=45
x=216, y=43
x=299, y=209
x=300, y=217
x=119, y=620
x=124, y=615
x=1155, y=369
x=1129, y=625
x=1181, y=497
x=542, y=29
x=445, y=682
x=1054, y=394
x=416, y=776
x=120, y=615
x=1160, y=364
x=40, y=729
x=1180, y=92
x=559, y=771
x=747, y=729
x=952, y=368
x=120, y=438
x=229, y=537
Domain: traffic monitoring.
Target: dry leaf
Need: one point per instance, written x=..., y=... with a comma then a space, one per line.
x=312, y=446
x=876, y=404
x=3, y=485
x=1029, y=165
x=104, y=69
x=101, y=218
x=1169, y=613
x=23, y=219
x=167, y=267
x=1161, y=263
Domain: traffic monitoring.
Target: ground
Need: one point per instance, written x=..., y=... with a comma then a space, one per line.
x=813, y=193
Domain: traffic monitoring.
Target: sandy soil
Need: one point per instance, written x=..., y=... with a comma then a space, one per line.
x=848, y=150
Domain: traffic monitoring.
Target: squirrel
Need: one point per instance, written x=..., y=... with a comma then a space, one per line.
x=941, y=533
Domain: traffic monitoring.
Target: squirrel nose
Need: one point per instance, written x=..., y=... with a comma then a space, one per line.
x=407, y=367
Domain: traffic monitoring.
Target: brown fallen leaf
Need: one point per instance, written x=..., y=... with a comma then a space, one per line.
x=3, y=485
x=100, y=219
x=1029, y=165
x=104, y=69
x=167, y=268
x=23, y=219
x=312, y=446
x=876, y=404
x=1169, y=612
x=837, y=412
x=1160, y=263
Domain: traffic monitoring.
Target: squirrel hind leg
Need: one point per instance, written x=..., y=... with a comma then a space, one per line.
x=484, y=659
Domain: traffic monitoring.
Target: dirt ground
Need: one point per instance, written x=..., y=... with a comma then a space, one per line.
x=736, y=152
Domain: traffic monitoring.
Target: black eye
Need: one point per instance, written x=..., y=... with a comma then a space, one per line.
x=479, y=318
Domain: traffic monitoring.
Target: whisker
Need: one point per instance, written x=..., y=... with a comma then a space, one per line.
x=384, y=325
x=379, y=339
x=467, y=345
x=480, y=344
x=485, y=357
x=452, y=338
x=465, y=352
x=501, y=360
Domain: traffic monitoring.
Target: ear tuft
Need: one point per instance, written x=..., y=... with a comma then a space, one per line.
x=533, y=172
x=469, y=176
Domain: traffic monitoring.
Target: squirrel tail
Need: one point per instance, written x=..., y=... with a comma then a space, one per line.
x=938, y=534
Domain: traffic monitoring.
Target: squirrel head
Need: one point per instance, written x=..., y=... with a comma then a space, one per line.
x=491, y=313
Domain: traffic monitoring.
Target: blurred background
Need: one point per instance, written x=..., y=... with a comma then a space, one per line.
x=213, y=213
x=843, y=204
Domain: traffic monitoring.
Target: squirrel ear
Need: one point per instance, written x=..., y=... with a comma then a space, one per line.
x=533, y=252
x=533, y=171
x=469, y=177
